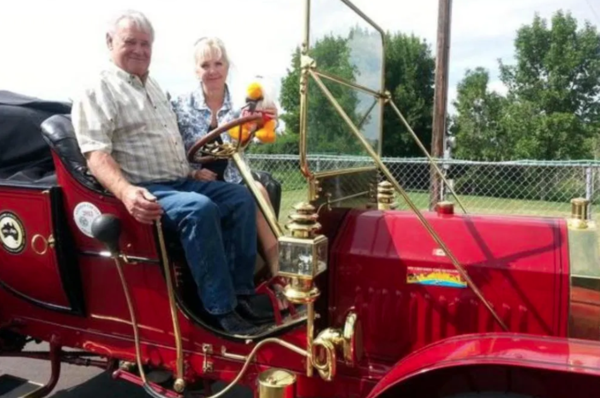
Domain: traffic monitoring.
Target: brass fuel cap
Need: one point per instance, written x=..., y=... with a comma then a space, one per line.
x=276, y=383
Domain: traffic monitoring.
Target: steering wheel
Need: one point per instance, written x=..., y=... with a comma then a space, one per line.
x=214, y=150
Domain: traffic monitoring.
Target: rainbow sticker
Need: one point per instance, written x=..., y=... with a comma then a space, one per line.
x=435, y=277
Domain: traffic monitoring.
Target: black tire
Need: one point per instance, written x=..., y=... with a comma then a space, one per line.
x=488, y=394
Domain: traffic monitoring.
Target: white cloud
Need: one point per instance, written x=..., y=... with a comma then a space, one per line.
x=48, y=48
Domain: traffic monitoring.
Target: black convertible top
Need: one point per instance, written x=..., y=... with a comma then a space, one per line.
x=24, y=155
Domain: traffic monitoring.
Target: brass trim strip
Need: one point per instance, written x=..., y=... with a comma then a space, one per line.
x=424, y=150
x=131, y=259
x=335, y=173
x=262, y=203
x=124, y=321
x=356, y=195
x=344, y=82
x=414, y=208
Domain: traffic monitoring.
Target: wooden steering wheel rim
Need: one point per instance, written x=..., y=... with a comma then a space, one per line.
x=218, y=131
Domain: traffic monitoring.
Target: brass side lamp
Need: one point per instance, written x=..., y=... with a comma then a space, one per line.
x=302, y=257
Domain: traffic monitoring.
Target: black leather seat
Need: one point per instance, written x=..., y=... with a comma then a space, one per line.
x=58, y=132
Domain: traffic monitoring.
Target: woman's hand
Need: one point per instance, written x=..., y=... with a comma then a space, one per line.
x=203, y=175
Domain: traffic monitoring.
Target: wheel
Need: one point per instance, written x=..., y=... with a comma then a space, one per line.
x=201, y=146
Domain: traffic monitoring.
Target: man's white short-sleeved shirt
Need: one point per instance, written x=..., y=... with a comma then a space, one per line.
x=134, y=123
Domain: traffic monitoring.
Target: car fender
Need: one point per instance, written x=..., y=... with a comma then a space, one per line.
x=508, y=349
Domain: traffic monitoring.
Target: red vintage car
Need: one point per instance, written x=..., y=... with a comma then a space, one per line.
x=388, y=303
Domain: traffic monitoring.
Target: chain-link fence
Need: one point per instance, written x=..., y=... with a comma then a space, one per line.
x=516, y=188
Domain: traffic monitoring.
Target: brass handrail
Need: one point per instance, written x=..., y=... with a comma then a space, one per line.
x=179, y=384
x=414, y=208
x=136, y=337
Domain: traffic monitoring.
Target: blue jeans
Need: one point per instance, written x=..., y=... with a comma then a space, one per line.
x=216, y=222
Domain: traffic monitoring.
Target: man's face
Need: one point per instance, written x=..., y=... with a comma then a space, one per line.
x=131, y=48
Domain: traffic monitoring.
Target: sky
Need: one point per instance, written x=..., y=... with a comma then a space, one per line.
x=50, y=49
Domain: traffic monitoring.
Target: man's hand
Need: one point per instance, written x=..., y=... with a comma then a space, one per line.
x=141, y=204
x=204, y=175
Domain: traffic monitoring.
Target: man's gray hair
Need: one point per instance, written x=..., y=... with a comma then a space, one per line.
x=136, y=18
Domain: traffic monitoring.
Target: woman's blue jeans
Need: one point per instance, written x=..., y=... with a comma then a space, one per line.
x=216, y=222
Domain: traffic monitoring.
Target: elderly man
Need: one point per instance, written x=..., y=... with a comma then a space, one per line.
x=129, y=135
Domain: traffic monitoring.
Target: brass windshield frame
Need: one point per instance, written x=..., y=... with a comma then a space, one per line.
x=308, y=66
x=307, y=63
x=309, y=70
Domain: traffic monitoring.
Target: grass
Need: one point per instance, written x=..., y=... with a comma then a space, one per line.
x=473, y=205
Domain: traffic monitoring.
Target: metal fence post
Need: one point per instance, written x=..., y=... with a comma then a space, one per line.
x=589, y=189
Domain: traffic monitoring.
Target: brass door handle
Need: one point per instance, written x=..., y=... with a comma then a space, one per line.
x=48, y=243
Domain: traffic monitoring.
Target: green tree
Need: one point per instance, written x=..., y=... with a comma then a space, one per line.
x=480, y=134
x=553, y=89
x=327, y=131
x=409, y=76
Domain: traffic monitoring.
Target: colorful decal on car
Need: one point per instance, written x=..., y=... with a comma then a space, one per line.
x=84, y=214
x=12, y=233
x=435, y=277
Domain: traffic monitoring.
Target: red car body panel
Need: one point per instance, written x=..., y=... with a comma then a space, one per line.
x=520, y=264
x=509, y=350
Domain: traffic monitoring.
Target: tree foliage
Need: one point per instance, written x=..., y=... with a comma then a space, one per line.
x=552, y=106
x=409, y=77
x=478, y=124
x=327, y=131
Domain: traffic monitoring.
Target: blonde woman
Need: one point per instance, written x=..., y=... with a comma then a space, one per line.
x=205, y=108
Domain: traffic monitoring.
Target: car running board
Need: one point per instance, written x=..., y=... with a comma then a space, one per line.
x=16, y=387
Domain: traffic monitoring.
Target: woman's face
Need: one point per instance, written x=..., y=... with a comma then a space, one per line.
x=212, y=72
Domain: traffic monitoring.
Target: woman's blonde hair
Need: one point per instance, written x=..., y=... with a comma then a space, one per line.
x=210, y=48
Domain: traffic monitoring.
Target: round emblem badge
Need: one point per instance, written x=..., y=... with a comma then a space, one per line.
x=84, y=214
x=12, y=233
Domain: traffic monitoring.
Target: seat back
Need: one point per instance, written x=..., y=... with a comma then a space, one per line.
x=272, y=186
x=58, y=132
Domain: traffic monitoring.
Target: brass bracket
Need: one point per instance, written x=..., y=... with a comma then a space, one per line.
x=386, y=96
x=314, y=189
x=307, y=62
x=48, y=243
x=207, y=364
